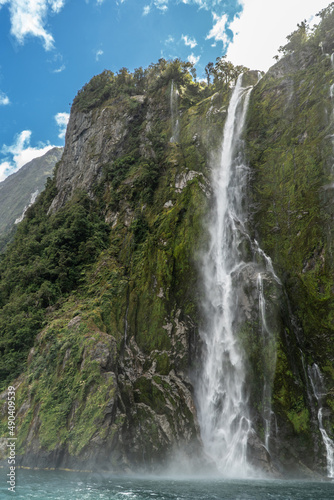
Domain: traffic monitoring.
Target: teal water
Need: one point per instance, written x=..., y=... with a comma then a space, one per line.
x=58, y=485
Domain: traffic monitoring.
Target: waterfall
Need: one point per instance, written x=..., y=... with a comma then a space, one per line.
x=233, y=264
x=31, y=202
x=318, y=391
x=221, y=396
x=331, y=91
x=173, y=111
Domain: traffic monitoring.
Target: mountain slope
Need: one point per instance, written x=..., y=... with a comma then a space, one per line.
x=20, y=189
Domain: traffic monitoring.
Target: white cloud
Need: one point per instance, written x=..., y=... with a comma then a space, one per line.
x=203, y=4
x=170, y=39
x=5, y=170
x=62, y=121
x=193, y=59
x=60, y=69
x=56, y=5
x=190, y=42
x=4, y=100
x=20, y=153
x=98, y=54
x=161, y=4
x=29, y=18
x=218, y=30
x=263, y=26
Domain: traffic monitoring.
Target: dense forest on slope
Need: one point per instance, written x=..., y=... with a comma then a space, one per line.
x=100, y=290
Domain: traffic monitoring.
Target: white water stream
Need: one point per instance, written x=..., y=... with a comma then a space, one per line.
x=222, y=399
x=319, y=393
x=174, y=110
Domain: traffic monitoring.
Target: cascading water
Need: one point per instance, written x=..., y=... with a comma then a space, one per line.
x=222, y=400
x=173, y=110
x=222, y=389
x=317, y=384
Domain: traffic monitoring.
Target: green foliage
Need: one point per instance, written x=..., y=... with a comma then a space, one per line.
x=100, y=88
x=299, y=418
x=65, y=382
x=45, y=262
x=224, y=73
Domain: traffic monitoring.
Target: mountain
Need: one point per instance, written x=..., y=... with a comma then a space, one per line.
x=20, y=189
x=181, y=209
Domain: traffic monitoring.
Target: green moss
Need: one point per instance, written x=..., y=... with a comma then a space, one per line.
x=299, y=420
x=149, y=393
x=163, y=365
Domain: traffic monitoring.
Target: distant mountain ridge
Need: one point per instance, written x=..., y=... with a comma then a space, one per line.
x=20, y=190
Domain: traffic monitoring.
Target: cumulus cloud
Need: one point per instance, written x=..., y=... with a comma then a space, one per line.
x=190, y=42
x=29, y=18
x=193, y=59
x=218, y=30
x=20, y=153
x=62, y=121
x=4, y=99
x=262, y=27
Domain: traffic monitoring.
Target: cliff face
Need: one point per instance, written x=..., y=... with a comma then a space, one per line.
x=113, y=285
x=290, y=149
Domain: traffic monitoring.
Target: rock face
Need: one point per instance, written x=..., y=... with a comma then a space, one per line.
x=93, y=139
x=114, y=285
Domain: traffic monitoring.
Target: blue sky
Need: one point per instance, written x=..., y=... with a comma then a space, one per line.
x=50, y=48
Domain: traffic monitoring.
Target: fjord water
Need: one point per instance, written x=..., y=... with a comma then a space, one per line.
x=59, y=485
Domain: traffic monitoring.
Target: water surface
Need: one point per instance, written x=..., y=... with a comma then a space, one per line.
x=61, y=485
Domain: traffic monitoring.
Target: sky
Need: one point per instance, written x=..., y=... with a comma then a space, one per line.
x=49, y=49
